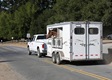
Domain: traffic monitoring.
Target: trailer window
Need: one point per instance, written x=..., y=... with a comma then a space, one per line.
x=93, y=30
x=79, y=30
x=54, y=42
x=59, y=43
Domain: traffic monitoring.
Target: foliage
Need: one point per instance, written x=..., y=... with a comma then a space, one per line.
x=19, y=17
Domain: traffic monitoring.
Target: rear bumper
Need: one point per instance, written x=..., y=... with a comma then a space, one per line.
x=44, y=51
x=95, y=59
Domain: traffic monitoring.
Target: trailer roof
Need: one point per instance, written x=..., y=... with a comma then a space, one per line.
x=73, y=22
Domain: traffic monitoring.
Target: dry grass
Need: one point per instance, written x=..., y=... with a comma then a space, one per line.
x=18, y=44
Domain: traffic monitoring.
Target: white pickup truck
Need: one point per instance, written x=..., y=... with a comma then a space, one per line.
x=38, y=45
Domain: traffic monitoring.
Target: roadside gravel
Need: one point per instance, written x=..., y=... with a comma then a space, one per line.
x=6, y=72
x=18, y=44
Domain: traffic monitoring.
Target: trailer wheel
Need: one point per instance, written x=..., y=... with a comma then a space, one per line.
x=53, y=58
x=29, y=52
x=38, y=53
x=58, y=61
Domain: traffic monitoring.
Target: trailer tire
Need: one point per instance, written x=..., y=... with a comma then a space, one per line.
x=38, y=53
x=29, y=52
x=58, y=61
x=53, y=58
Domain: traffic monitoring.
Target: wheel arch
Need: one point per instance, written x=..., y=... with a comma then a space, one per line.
x=38, y=47
x=53, y=52
x=61, y=54
x=27, y=46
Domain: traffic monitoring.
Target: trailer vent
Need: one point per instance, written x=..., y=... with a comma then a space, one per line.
x=81, y=55
x=76, y=55
x=96, y=55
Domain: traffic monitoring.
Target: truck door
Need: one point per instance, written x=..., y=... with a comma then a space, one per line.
x=32, y=43
x=94, y=41
x=79, y=41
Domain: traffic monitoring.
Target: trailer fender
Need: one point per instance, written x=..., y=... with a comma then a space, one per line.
x=61, y=54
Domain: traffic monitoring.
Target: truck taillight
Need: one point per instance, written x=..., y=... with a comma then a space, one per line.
x=42, y=45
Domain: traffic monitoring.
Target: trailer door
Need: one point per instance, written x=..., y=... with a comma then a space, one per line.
x=86, y=41
x=94, y=41
x=79, y=41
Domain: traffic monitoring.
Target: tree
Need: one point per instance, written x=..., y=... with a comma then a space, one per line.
x=107, y=18
x=4, y=23
x=12, y=5
x=20, y=17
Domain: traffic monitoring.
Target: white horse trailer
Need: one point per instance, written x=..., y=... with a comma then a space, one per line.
x=75, y=41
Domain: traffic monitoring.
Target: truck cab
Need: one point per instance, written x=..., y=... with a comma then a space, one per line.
x=38, y=45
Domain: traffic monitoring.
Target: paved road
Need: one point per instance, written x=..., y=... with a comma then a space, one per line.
x=33, y=68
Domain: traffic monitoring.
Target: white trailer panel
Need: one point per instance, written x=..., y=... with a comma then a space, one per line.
x=76, y=41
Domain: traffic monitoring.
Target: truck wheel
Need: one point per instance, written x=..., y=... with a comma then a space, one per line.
x=109, y=38
x=29, y=52
x=58, y=61
x=53, y=58
x=38, y=53
x=44, y=54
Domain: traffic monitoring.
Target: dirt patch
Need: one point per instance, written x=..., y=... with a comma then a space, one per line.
x=18, y=44
x=6, y=72
x=107, y=41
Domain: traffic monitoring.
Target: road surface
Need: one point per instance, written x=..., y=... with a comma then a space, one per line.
x=34, y=68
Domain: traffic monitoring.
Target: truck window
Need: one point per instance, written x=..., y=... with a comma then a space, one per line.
x=93, y=30
x=33, y=38
x=41, y=37
x=79, y=30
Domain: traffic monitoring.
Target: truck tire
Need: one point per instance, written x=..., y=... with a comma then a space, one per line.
x=53, y=58
x=58, y=61
x=44, y=54
x=109, y=38
x=29, y=52
x=38, y=53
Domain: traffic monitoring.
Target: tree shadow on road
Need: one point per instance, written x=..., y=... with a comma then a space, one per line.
x=81, y=63
x=2, y=61
x=107, y=59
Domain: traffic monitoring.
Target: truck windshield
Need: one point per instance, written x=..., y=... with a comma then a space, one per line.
x=41, y=37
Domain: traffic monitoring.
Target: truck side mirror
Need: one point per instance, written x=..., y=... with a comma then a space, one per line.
x=29, y=39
